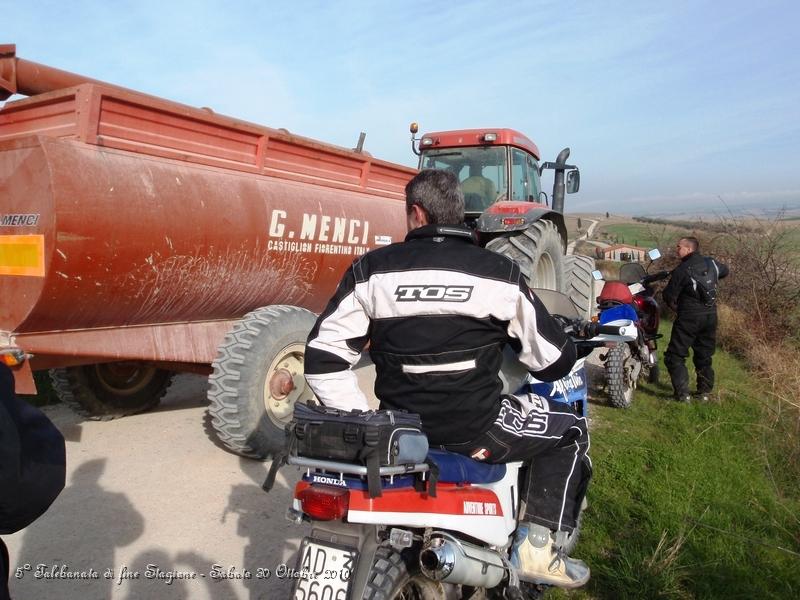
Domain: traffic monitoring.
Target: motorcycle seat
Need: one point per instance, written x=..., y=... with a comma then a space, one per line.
x=457, y=468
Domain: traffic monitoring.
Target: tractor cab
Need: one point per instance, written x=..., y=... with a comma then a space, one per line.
x=496, y=165
x=498, y=169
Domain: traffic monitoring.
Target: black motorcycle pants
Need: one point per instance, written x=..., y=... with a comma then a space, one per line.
x=553, y=441
x=698, y=332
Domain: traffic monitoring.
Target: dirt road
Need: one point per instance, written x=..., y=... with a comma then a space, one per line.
x=153, y=508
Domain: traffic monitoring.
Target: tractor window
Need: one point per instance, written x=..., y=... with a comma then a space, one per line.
x=525, y=185
x=481, y=171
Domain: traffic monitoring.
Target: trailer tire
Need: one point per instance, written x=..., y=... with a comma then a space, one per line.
x=258, y=360
x=539, y=252
x=578, y=283
x=389, y=579
x=109, y=390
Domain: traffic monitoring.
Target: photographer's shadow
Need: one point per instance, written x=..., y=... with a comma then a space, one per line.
x=271, y=539
x=81, y=531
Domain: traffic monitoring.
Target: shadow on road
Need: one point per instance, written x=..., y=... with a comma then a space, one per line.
x=86, y=521
x=271, y=540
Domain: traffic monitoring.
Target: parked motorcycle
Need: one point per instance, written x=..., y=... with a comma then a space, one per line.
x=631, y=297
x=411, y=541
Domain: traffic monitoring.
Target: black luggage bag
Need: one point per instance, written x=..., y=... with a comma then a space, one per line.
x=372, y=438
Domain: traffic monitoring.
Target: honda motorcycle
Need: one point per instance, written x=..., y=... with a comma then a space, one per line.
x=412, y=541
x=631, y=297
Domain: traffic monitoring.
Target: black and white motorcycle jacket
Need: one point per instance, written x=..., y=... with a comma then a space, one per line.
x=437, y=310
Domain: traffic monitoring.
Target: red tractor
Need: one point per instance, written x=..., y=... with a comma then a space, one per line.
x=500, y=172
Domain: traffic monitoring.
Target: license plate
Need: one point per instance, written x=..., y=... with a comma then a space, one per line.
x=324, y=570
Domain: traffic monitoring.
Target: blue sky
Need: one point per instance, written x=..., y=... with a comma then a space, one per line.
x=667, y=106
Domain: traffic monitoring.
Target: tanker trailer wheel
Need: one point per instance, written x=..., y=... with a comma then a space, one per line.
x=258, y=378
x=111, y=389
x=538, y=251
x=578, y=283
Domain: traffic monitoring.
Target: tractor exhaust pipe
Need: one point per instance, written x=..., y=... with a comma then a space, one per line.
x=558, y=180
x=444, y=558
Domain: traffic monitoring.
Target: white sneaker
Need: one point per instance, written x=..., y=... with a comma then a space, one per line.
x=538, y=561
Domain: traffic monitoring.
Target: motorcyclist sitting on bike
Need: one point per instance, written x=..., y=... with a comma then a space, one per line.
x=437, y=311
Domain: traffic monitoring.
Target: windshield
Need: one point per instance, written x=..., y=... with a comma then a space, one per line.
x=481, y=171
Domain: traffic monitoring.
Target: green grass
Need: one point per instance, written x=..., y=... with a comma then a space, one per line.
x=645, y=236
x=682, y=504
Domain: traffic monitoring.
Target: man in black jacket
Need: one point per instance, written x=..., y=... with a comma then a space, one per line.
x=437, y=311
x=695, y=324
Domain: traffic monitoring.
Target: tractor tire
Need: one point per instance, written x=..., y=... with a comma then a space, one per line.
x=579, y=283
x=389, y=579
x=618, y=375
x=109, y=390
x=539, y=252
x=258, y=377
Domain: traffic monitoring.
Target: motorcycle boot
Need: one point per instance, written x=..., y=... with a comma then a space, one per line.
x=538, y=558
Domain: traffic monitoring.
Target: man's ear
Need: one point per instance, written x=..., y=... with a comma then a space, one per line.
x=420, y=215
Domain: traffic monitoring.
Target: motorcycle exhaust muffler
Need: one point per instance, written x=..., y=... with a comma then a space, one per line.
x=444, y=558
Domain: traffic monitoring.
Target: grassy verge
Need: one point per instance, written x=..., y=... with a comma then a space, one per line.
x=683, y=505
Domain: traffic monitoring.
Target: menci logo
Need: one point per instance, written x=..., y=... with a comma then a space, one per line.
x=433, y=293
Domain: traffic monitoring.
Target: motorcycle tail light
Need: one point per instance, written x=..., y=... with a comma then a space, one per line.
x=324, y=503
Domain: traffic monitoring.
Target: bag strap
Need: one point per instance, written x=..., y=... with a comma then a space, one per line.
x=433, y=476
x=281, y=458
x=373, y=474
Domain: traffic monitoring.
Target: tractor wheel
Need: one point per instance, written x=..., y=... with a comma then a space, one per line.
x=538, y=251
x=578, y=283
x=619, y=375
x=390, y=579
x=111, y=389
x=258, y=378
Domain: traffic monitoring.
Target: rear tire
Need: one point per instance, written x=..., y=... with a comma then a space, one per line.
x=579, y=283
x=618, y=375
x=539, y=252
x=111, y=389
x=389, y=579
x=258, y=378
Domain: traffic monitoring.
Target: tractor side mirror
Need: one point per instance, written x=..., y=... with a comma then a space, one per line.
x=573, y=181
x=654, y=254
x=597, y=275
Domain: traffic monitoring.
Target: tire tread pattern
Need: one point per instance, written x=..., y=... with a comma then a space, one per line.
x=235, y=369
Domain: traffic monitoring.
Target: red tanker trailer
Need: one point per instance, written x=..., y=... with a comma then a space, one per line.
x=140, y=237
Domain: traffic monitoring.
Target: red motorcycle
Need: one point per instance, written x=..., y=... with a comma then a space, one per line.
x=631, y=297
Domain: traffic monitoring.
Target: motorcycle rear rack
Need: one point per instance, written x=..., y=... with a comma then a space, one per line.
x=341, y=468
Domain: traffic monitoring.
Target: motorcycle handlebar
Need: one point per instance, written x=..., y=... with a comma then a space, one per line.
x=656, y=277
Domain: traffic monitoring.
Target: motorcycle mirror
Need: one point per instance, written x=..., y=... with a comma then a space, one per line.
x=654, y=254
x=597, y=275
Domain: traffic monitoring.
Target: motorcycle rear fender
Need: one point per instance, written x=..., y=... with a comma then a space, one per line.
x=454, y=509
x=364, y=537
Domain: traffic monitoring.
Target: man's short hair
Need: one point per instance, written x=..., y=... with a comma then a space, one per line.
x=694, y=243
x=439, y=194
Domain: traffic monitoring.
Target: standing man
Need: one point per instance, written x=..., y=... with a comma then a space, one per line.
x=437, y=311
x=691, y=293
